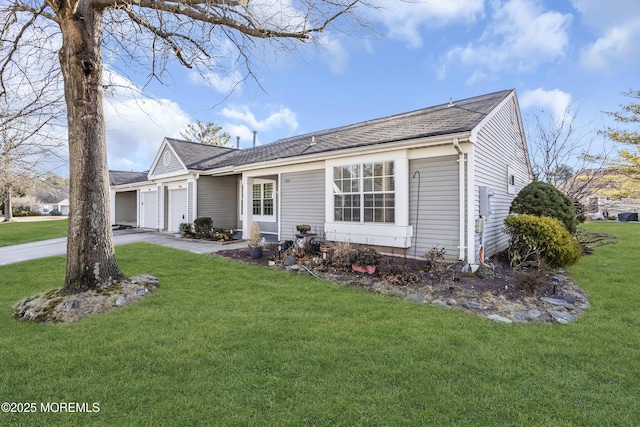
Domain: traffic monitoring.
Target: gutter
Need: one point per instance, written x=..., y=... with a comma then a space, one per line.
x=461, y=181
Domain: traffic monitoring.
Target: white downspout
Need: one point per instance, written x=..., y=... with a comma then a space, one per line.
x=461, y=181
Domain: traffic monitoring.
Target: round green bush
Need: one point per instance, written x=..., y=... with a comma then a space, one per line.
x=543, y=199
x=541, y=237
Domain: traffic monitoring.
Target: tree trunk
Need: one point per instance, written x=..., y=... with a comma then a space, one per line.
x=8, y=209
x=91, y=259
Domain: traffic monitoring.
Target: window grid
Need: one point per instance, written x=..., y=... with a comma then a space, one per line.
x=263, y=199
x=364, y=192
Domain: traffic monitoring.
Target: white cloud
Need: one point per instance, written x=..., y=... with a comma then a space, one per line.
x=241, y=121
x=137, y=124
x=334, y=54
x=617, y=29
x=223, y=84
x=618, y=44
x=555, y=100
x=521, y=34
x=404, y=20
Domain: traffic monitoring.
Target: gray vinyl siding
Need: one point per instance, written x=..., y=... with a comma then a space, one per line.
x=435, y=214
x=499, y=145
x=174, y=164
x=303, y=202
x=218, y=200
x=190, y=217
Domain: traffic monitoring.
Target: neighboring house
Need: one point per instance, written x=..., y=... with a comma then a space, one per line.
x=62, y=206
x=442, y=176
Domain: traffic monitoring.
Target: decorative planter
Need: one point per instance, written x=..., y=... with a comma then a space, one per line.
x=369, y=269
x=255, y=252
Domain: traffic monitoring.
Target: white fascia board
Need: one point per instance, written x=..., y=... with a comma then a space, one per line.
x=131, y=186
x=337, y=154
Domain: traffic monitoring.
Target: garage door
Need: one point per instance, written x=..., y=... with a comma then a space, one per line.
x=177, y=208
x=149, y=210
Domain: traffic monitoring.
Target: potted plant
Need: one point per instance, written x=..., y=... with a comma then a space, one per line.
x=365, y=260
x=303, y=228
x=256, y=242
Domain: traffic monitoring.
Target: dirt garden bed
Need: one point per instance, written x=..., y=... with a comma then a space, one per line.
x=493, y=291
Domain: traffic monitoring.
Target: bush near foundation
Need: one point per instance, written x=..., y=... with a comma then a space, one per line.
x=543, y=199
x=535, y=239
x=202, y=227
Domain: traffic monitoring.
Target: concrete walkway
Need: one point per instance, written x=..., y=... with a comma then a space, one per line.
x=53, y=247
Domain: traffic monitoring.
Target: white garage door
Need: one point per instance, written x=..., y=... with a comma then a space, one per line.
x=149, y=210
x=177, y=208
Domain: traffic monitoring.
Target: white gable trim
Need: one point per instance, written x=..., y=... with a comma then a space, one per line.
x=491, y=115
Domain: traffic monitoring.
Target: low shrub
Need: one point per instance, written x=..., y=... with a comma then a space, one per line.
x=365, y=255
x=26, y=213
x=222, y=234
x=535, y=238
x=202, y=227
x=186, y=229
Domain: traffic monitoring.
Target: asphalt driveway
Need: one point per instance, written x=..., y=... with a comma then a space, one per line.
x=52, y=247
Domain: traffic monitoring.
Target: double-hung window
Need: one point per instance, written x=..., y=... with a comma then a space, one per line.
x=263, y=199
x=364, y=193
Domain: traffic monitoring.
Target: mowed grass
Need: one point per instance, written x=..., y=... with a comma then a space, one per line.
x=15, y=233
x=223, y=343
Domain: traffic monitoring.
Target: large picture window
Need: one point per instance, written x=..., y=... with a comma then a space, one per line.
x=364, y=192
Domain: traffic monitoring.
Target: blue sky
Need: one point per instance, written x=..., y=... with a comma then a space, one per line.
x=554, y=53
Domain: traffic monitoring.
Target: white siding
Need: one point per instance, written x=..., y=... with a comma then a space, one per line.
x=303, y=199
x=434, y=212
x=499, y=147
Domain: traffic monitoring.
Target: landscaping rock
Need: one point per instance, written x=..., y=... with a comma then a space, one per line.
x=440, y=303
x=561, y=316
x=557, y=301
x=534, y=314
x=54, y=306
x=520, y=316
x=499, y=319
x=290, y=260
x=415, y=298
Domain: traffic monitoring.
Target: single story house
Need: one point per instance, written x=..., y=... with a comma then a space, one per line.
x=442, y=176
x=62, y=206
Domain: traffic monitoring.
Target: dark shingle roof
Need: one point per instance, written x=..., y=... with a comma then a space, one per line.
x=197, y=156
x=449, y=118
x=124, y=177
x=444, y=119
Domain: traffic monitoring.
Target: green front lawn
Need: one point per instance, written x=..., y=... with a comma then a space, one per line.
x=15, y=233
x=223, y=343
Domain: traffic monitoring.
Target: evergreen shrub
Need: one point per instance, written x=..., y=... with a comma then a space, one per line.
x=543, y=199
x=538, y=238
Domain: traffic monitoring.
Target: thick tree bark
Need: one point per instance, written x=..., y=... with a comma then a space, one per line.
x=91, y=259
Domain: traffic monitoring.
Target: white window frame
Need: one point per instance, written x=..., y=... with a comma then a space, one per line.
x=511, y=180
x=361, y=192
x=261, y=217
x=396, y=234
